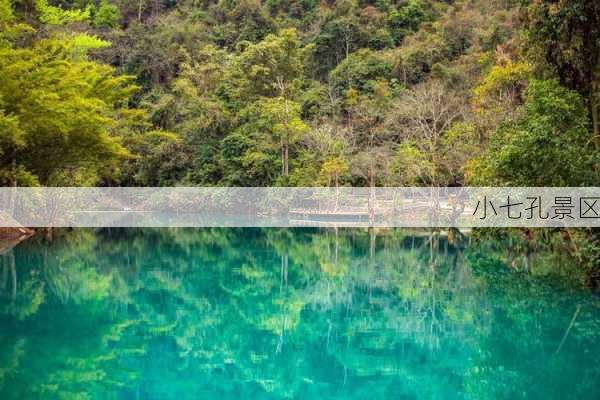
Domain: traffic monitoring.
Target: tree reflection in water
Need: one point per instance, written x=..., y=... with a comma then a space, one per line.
x=288, y=313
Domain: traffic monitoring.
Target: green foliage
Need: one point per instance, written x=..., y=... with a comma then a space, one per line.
x=248, y=86
x=360, y=71
x=6, y=12
x=567, y=35
x=548, y=146
x=81, y=44
x=506, y=81
x=411, y=165
x=381, y=39
x=11, y=135
x=284, y=119
x=243, y=85
x=51, y=15
x=161, y=159
x=415, y=60
x=60, y=110
x=107, y=15
x=269, y=67
x=405, y=20
x=333, y=170
x=336, y=40
x=10, y=28
x=300, y=92
x=271, y=126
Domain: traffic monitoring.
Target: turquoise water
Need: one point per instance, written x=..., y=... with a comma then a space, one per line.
x=304, y=314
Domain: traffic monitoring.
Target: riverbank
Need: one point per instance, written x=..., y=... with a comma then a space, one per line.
x=10, y=237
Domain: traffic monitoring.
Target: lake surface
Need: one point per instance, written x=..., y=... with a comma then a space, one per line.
x=295, y=313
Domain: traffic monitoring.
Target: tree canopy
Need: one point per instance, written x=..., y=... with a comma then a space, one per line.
x=236, y=93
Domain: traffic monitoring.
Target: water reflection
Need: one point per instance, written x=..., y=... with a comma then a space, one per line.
x=270, y=314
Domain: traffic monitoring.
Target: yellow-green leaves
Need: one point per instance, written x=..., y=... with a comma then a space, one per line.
x=62, y=113
x=82, y=43
x=332, y=170
x=57, y=16
x=503, y=82
x=11, y=135
x=548, y=145
x=269, y=67
x=6, y=11
x=284, y=117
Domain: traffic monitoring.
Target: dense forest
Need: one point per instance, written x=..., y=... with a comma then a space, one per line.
x=287, y=93
x=299, y=93
x=302, y=93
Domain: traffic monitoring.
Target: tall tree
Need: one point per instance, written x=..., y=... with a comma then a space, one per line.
x=422, y=117
x=271, y=70
x=62, y=112
x=547, y=146
x=567, y=34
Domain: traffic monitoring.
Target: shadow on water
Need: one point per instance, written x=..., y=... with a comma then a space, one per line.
x=289, y=313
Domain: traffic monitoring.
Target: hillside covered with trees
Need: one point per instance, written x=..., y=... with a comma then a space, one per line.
x=299, y=93
x=303, y=93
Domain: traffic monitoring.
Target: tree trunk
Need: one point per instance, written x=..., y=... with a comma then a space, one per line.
x=282, y=158
x=13, y=191
x=372, y=193
x=140, y=2
x=13, y=270
x=156, y=7
x=4, y=275
x=285, y=141
x=337, y=194
x=595, y=117
x=284, y=271
x=286, y=156
x=372, y=242
x=590, y=48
